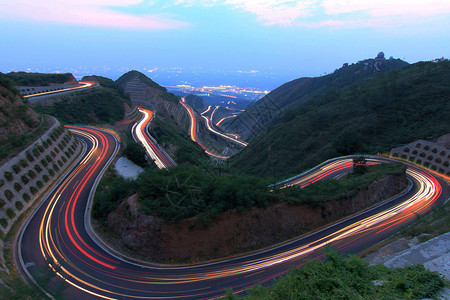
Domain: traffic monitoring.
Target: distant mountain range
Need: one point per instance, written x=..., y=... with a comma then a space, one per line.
x=367, y=107
x=267, y=110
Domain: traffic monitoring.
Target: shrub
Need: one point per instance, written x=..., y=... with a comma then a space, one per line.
x=404, y=156
x=419, y=145
x=52, y=154
x=48, y=158
x=411, y=158
x=406, y=150
x=45, y=178
x=419, y=161
x=426, y=165
x=9, y=176
x=33, y=190
x=2, y=203
x=19, y=205
x=441, y=171
x=4, y=222
x=51, y=172
x=26, y=197
x=49, y=141
x=39, y=184
x=23, y=163
x=44, y=162
x=56, y=150
x=29, y=157
x=55, y=168
x=17, y=187
x=41, y=149
x=2, y=182
x=426, y=147
x=414, y=152
x=434, y=150
x=60, y=163
x=64, y=159
x=11, y=214
x=24, y=179
x=422, y=154
x=395, y=155
x=446, y=164
x=36, y=152
x=38, y=168
x=16, y=169
x=9, y=195
x=430, y=157
x=433, y=167
x=442, y=153
x=438, y=160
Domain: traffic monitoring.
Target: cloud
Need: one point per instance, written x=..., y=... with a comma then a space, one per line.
x=270, y=12
x=383, y=8
x=97, y=13
x=335, y=13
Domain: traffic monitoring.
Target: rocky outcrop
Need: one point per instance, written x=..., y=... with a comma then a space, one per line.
x=232, y=232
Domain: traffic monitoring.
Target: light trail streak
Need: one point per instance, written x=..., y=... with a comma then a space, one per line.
x=152, y=149
x=210, y=128
x=224, y=118
x=193, y=131
x=83, y=85
x=90, y=271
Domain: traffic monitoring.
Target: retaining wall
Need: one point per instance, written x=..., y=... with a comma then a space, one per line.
x=428, y=154
x=26, y=176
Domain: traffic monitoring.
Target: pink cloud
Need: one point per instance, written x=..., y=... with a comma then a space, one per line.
x=85, y=12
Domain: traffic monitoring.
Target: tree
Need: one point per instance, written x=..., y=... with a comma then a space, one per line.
x=136, y=153
x=359, y=165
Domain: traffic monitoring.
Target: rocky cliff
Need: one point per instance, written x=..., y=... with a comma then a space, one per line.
x=232, y=232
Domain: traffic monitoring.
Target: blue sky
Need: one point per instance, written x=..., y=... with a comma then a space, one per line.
x=290, y=38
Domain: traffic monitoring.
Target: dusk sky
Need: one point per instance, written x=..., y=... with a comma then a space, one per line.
x=290, y=38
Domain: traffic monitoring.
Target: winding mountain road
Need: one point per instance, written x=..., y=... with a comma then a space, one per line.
x=56, y=238
x=140, y=133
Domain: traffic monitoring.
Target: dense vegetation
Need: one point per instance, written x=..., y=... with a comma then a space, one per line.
x=341, y=277
x=264, y=112
x=333, y=190
x=19, y=125
x=8, y=84
x=186, y=191
x=103, y=81
x=372, y=116
x=100, y=105
x=38, y=79
x=168, y=133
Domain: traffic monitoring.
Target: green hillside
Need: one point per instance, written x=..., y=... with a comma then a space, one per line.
x=19, y=124
x=39, y=79
x=370, y=116
x=104, y=104
x=267, y=110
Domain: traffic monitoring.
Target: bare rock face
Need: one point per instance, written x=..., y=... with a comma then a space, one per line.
x=232, y=232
